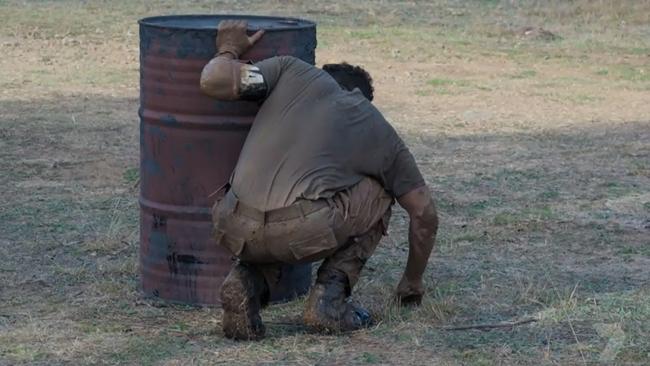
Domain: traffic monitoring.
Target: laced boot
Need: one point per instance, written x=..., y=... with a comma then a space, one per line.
x=328, y=309
x=242, y=295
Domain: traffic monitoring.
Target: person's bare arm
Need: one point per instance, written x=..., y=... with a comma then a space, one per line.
x=224, y=77
x=423, y=227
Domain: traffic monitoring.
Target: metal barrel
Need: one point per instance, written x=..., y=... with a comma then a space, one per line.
x=189, y=145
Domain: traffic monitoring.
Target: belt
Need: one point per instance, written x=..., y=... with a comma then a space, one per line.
x=299, y=209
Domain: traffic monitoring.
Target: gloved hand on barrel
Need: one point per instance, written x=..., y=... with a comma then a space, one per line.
x=224, y=77
x=232, y=38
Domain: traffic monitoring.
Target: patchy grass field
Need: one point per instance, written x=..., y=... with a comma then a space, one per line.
x=538, y=150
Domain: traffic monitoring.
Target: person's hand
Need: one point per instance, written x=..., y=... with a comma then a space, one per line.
x=232, y=38
x=409, y=293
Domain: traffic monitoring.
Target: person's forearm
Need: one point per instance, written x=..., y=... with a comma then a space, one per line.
x=422, y=235
x=421, y=241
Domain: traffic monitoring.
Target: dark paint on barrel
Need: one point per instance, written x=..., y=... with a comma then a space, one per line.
x=189, y=145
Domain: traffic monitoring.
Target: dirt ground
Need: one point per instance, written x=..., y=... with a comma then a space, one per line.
x=537, y=147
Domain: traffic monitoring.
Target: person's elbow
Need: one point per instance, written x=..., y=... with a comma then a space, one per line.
x=207, y=87
x=421, y=210
x=217, y=82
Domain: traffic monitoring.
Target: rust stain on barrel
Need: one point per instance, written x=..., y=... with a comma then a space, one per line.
x=189, y=145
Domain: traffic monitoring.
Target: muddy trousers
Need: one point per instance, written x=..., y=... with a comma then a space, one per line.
x=343, y=231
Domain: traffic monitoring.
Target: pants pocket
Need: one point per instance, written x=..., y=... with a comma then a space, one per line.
x=233, y=244
x=314, y=247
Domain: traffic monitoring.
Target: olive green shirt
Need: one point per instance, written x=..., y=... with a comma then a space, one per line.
x=311, y=139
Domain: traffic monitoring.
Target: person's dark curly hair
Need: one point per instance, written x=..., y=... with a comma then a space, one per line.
x=350, y=77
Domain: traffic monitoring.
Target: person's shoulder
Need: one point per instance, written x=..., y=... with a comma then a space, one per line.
x=284, y=62
x=284, y=59
x=295, y=63
x=356, y=98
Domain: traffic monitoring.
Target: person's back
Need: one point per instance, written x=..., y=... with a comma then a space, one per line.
x=311, y=139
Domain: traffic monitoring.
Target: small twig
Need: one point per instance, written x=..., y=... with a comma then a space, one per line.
x=493, y=325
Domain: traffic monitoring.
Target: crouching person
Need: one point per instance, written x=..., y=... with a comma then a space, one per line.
x=316, y=179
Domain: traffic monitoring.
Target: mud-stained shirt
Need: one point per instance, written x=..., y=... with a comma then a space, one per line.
x=312, y=139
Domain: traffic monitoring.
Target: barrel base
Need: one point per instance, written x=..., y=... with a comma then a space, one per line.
x=298, y=285
x=181, y=263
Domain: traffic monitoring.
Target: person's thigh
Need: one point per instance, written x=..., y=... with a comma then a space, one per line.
x=352, y=257
x=359, y=208
x=234, y=232
x=362, y=216
x=301, y=240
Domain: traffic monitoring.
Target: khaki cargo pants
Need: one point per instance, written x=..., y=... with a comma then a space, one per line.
x=343, y=231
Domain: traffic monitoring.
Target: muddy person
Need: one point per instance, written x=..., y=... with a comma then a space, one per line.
x=316, y=179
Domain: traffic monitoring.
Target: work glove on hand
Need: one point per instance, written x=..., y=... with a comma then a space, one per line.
x=409, y=293
x=232, y=38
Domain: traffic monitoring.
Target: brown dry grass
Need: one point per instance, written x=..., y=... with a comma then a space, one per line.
x=539, y=154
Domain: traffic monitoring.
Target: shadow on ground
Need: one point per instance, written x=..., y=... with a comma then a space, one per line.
x=551, y=224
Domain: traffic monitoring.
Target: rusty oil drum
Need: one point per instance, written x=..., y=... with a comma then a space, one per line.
x=189, y=145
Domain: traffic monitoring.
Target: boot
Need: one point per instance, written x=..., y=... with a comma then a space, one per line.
x=242, y=295
x=328, y=309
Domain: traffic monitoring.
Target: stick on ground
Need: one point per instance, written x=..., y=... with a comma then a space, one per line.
x=492, y=325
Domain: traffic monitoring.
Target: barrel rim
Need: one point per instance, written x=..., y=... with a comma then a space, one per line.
x=150, y=21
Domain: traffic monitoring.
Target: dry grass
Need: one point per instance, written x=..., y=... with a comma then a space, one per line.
x=538, y=152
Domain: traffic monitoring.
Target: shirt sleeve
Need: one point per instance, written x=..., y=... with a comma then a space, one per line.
x=272, y=69
x=402, y=174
